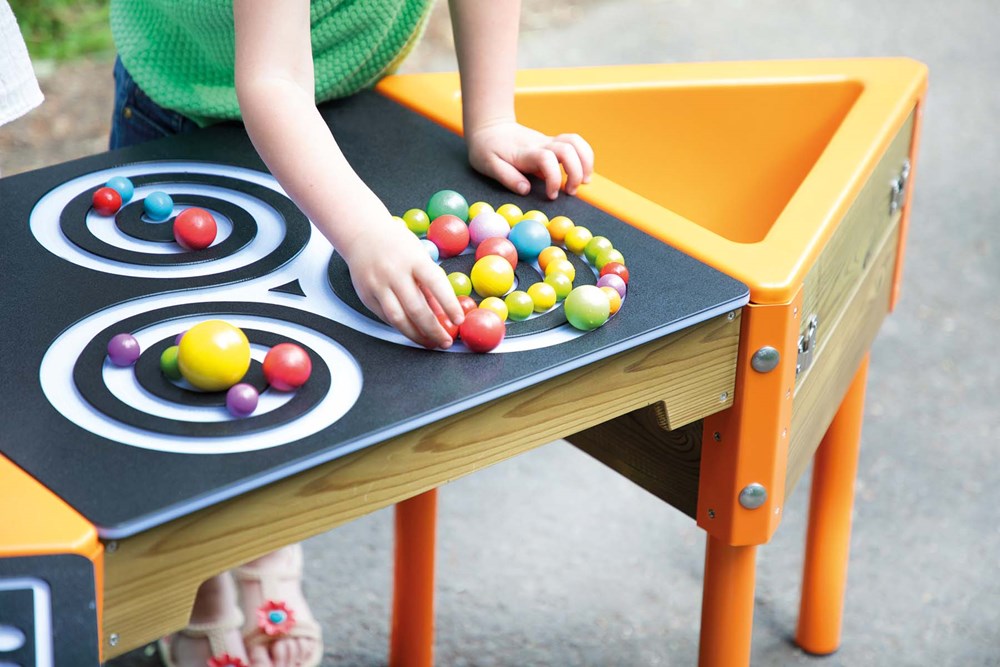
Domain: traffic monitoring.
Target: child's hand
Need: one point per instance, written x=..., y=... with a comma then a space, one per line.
x=508, y=150
x=397, y=280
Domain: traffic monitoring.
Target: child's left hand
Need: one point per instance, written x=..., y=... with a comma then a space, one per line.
x=507, y=151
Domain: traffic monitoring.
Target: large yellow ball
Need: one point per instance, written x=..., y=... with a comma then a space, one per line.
x=492, y=275
x=213, y=355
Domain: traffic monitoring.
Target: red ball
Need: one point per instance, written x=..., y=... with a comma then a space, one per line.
x=195, y=229
x=287, y=366
x=467, y=303
x=107, y=201
x=450, y=234
x=448, y=325
x=615, y=268
x=482, y=330
x=498, y=246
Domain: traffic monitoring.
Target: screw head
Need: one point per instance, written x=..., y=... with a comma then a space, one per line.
x=711, y=514
x=753, y=496
x=113, y=639
x=765, y=359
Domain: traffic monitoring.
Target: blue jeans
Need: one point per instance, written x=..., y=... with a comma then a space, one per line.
x=137, y=118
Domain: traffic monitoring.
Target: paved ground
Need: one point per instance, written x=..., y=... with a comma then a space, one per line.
x=550, y=559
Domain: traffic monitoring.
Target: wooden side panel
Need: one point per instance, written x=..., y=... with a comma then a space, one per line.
x=151, y=578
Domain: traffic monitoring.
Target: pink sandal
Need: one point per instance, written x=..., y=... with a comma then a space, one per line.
x=215, y=634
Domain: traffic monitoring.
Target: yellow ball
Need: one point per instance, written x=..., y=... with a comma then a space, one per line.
x=561, y=266
x=492, y=275
x=519, y=305
x=213, y=355
x=460, y=283
x=417, y=221
x=543, y=296
x=479, y=207
x=558, y=226
x=561, y=283
x=614, y=297
x=577, y=239
x=550, y=254
x=536, y=215
x=607, y=256
x=511, y=213
x=496, y=305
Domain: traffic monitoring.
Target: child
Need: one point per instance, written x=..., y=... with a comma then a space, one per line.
x=269, y=62
x=19, y=92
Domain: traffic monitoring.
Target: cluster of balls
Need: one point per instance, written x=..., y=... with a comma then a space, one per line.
x=215, y=356
x=501, y=238
x=194, y=228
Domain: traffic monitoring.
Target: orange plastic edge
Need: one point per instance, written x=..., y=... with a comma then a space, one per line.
x=411, y=642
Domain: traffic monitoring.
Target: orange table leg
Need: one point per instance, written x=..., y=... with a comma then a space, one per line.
x=829, y=534
x=411, y=642
x=727, y=604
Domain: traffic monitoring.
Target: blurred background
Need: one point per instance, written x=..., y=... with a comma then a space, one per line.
x=551, y=559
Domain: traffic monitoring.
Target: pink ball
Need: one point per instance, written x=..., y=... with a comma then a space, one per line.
x=614, y=282
x=488, y=225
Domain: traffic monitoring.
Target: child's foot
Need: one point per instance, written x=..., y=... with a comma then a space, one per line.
x=212, y=637
x=279, y=629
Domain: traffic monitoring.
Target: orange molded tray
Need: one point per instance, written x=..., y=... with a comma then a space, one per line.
x=746, y=166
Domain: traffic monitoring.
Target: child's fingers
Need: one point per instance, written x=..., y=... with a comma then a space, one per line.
x=507, y=174
x=570, y=162
x=440, y=294
x=544, y=163
x=420, y=315
x=583, y=150
x=396, y=316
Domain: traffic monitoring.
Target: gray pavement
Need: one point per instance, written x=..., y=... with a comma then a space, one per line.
x=551, y=559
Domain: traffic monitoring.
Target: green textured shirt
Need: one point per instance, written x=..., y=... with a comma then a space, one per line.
x=182, y=53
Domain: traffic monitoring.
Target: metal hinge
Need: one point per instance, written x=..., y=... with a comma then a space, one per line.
x=807, y=345
x=898, y=188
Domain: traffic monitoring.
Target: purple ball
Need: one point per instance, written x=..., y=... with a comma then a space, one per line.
x=613, y=281
x=487, y=225
x=123, y=350
x=177, y=338
x=241, y=399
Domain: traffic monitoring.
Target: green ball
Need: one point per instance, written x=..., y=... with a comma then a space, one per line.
x=519, y=305
x=594, y=248
x=417, y=221
x=461, y=283
x=448, y=202
x=607, y=256
x=168, y=363
x=587, y=307
x=561, y=283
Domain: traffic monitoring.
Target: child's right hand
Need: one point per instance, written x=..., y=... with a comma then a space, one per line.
x=396, y=278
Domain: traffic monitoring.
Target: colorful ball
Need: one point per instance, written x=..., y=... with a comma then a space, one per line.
x=482, y=330
x=616, y=268
x=560, y=283
x=492, y=276
x=587, y=307
x=536, y=215
x=123, y=349
x=448, y=325
x=512, y=213
x=495, y=304
x=432, y=250
x=106, y=201
x=477, y=208
x=417, y=221
x=158, y=206
x=543, y=296
x=450, y=234
x=460, y=283
x=487, y=225
x=195, y=229
x=122, y=186
x=519, y=305
x=287, y=366
x=608, y=256
x=448, y=202
x=550, y=254
x=467, y=303
x=213, y=355
x=242, y=399
x=595, y=246
x=500, y=247
x=558, y=226
x=614, y=282
x=576, y=239
x=529, y=237
x=614, y=298
x=168, y=363
x=561, y=266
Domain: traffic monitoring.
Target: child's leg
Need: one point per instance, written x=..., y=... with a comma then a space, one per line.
x=213, y=630
x=270, y=587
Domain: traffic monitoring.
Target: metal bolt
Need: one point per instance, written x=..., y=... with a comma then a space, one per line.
x=113, y=639
x=765, y=359
x=753, y=496
x=731, y=316
x=723, y=396
x=795, y=312
x=711, y=514
x=111, y=547
x=717, y=436
x=788, y=393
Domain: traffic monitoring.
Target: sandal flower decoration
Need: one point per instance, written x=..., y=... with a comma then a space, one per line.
x=274, y=618
x=225, y=660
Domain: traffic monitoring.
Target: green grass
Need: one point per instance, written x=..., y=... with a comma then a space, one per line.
x=64, y=29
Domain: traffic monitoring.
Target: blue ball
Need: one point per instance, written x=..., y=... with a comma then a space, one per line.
x=530, y=237
x=431, y=249
x=158, y=205
x=122, y=186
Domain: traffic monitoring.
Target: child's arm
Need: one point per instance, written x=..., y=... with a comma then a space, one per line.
x=390, y=269
x=486, y=44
